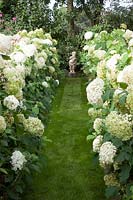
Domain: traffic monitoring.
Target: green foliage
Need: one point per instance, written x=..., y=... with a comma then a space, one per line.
x=111, y=192
x=59, y=30
x=119, y=15
x=32, y=14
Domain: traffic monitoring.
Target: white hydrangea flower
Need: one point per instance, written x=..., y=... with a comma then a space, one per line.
x=130, y=44
x=53, y=49
x=23, y=33
x=45, y=84
x=86, y=47
x=93, y=113
x=20, y=118
x=47, y=41
x=88, y=35
x=5, y=43
x=18, y=57
x=111, y=180
x=128, y=34
x=119, y=126
x=117, y=94
x=48, y=36
x=101, y=69
x=95, y=90
x=48, y=78
x=12, y=73
x=37, y=41
x=57, y=81
x=40, y=61
x=111, y=63
x=39, y=31
x=24, y=41
x=97, y=142
x=11, y=102
x=100, y=54
x=20, y=70
x=90, y=49
x=51, y=69
x=107, y=154
x=111, y=67
x=34, y=126
x=29, y=49
x=17, y=160
x=2, y=124
x=129, y=100
x=98, y=124
x=126, y=75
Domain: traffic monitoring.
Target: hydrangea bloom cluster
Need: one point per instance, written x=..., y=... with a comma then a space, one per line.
x=34, y=126
x=18, y=57
x=126, y=75
x=107, y=154
x=17, y=160
x=129, y=100
x=101, y=69
x=11, y=102
x=111, y=180
x=45, y=84
x=128, y=34
x=5, y=43
x=15, y=79
x=57, y=82
x=119, y=126
x=111, y=66
x=97, y=142
x=2, y=124
x=25, y=46
x=95, y=90
x=41, y=59
x=100, y=54
x=93, y=113
x=98, y=125
x=88, y=35
x=51, y=69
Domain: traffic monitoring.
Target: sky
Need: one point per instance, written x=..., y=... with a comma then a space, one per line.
x=107, y=5
x=51, y=3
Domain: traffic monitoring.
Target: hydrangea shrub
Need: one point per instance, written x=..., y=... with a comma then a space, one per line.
x=29, y=75
x=109, y=57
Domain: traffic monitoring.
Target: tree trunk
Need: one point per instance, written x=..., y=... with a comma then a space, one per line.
x=71, y=31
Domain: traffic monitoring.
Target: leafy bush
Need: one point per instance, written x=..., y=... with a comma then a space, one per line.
x=110, y=96
x=29, y=76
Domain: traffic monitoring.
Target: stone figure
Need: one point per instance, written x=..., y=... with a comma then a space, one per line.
x=72, y=62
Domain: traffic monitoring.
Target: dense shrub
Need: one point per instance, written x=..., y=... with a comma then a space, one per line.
x=109, y=57
x=29, y=76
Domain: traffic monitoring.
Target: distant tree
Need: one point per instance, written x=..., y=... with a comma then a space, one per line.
x=118, y=14
x=70, y=10
x=33, y=14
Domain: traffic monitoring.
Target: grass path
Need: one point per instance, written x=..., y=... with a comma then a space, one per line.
x=69, y=173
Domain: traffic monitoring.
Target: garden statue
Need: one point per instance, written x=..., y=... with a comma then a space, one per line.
x=72, y=63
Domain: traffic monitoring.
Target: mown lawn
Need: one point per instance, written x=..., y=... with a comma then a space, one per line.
x=69, y=172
